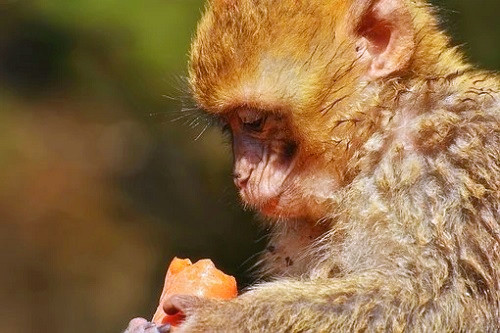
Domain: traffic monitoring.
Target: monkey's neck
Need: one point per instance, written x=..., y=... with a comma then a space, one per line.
x=293, y=245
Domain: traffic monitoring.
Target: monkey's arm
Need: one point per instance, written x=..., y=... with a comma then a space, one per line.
x=330, y=305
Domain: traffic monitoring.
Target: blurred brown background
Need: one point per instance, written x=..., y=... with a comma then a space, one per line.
x=99, y=186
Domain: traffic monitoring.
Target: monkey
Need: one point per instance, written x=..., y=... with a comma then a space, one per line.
x=372, y=147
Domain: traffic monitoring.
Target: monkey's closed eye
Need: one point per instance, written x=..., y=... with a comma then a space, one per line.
x=255, y=126
x=251, y=120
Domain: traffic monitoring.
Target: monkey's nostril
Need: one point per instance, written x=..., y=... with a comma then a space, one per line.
x=239, y=180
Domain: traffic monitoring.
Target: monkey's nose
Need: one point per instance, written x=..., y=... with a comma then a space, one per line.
x=240, y=180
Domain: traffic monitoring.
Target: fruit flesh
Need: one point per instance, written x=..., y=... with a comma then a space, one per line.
x=200, y=279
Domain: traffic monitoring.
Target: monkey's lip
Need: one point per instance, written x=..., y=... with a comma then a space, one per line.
x=264, y=191
x=267, y=204
x=258, y=198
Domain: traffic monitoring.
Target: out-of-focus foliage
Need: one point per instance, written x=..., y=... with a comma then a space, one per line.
x=99, y=187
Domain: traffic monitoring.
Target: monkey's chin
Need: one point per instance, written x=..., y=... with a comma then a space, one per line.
x=276, y=207
x=266, y=204
x=271, y=208
x=282, y=207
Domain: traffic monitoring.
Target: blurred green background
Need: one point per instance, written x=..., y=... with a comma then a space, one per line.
x=100, y=187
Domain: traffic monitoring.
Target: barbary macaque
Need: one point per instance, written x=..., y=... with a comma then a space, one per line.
x=373, y=148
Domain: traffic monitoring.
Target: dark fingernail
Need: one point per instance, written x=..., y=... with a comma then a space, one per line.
x=164, y=328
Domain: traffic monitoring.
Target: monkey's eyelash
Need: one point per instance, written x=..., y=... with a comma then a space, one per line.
x=247, y=115
x=252, y=120
x=225, y=128
x=219, y=122
x=255, y=125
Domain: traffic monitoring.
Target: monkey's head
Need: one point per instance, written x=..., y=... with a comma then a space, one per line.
x=296, y=82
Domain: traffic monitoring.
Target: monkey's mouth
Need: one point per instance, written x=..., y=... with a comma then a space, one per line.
x=268, y=185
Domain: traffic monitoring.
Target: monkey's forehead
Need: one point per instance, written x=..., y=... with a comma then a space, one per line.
x=266, y=53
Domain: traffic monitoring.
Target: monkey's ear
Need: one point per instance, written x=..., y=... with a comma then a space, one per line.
x=385, y=35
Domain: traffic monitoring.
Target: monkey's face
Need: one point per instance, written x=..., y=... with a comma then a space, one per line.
x=297, y=83
x=271, y=170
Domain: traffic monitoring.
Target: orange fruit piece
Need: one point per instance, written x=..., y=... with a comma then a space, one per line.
x=200, y=279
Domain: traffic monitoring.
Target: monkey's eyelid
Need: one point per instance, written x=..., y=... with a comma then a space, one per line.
x=255, y=126
x=252, y=120
x=248, y=116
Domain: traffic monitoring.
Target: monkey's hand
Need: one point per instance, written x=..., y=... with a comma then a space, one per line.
x=141, y=325
x=329, y=305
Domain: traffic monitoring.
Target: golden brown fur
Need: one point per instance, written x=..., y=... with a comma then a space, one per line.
x=413, y=242
x=408, y=239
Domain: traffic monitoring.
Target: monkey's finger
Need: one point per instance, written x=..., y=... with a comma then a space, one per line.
x=164, y=328
x=150, y=328
x=181, y=303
